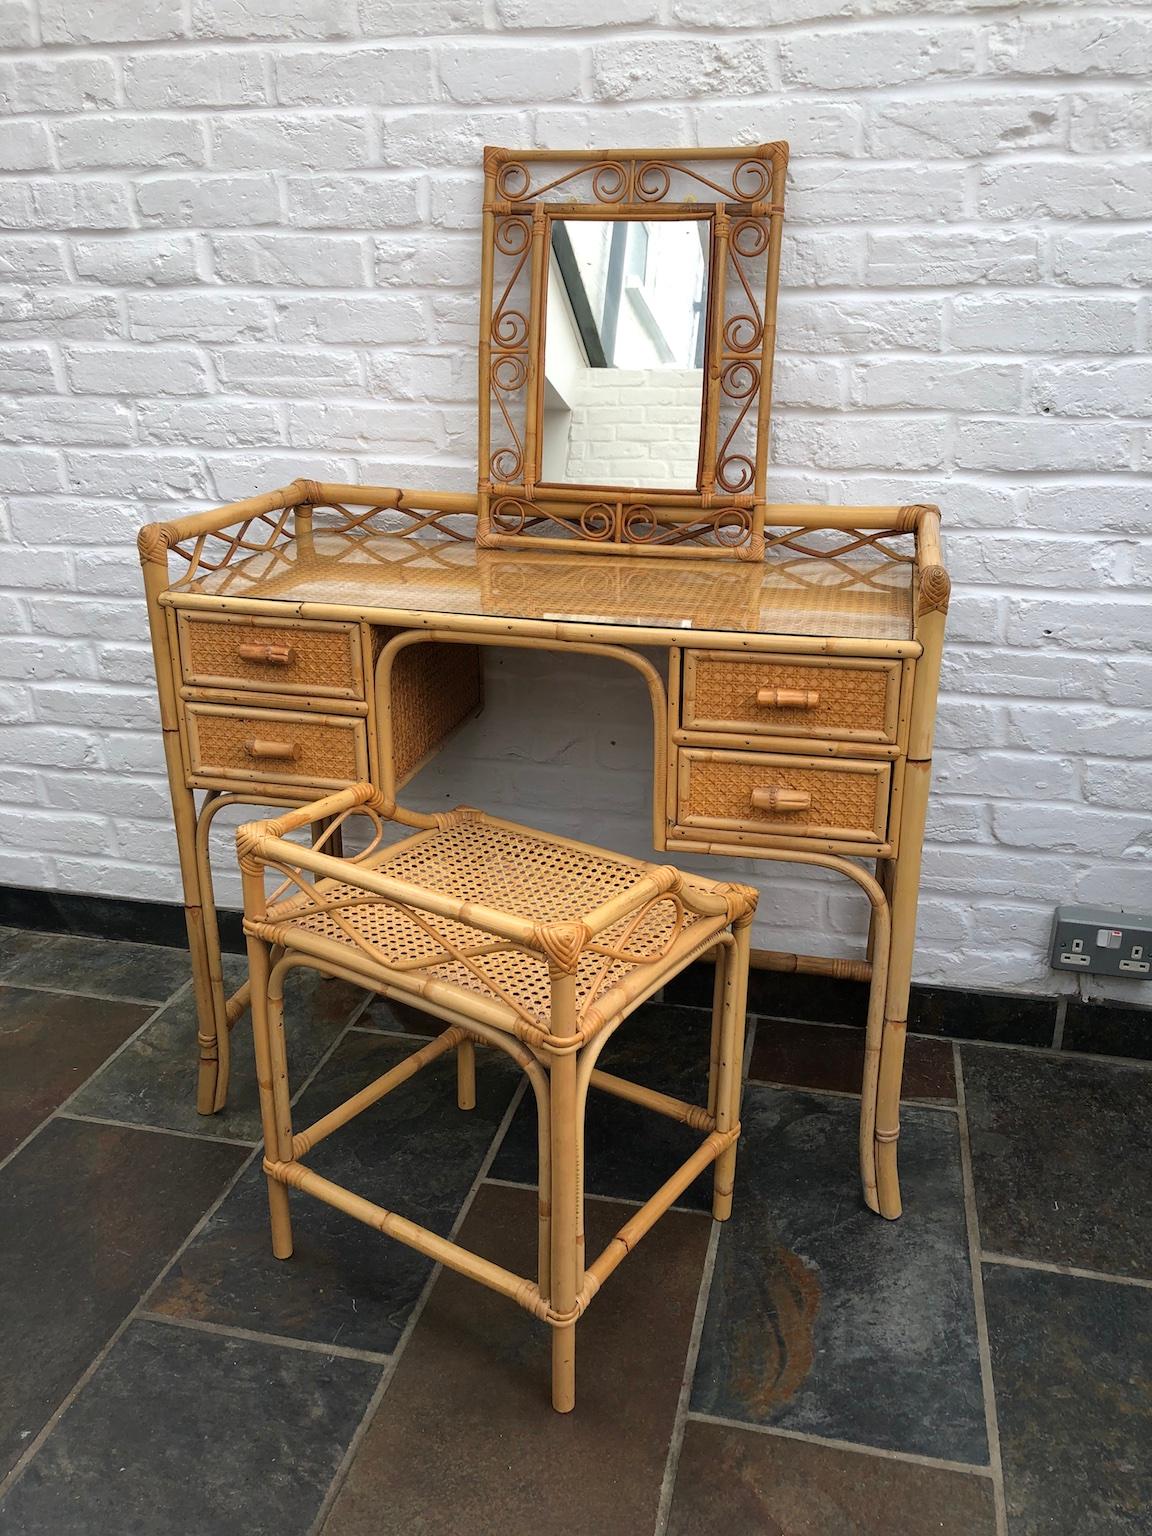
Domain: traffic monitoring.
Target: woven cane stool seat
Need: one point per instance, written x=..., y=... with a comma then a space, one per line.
x=516, y=939
x=521, y=872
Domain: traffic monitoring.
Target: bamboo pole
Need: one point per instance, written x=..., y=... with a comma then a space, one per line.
x=679, y=505
x=648, y=1098
x=567, y=1235
x=465, y=1074
x=812, y=746
x=599, y=156
x=750, y=642
x=931, y=615
x=768, y=344
x=304, y=1141
x=616, y=1251
x=730, y=1066
x=259, y=971
x=722, y=963
x=810, y=965
x=518, y=1289
x=714, y=353
x=534, y=388
x=210, y=1028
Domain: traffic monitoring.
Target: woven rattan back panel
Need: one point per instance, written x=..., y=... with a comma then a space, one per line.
x=434, y=688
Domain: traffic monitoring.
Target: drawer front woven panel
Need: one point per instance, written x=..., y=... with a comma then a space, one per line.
x=791, y=697
x=320, y=659
x=752, y=791
x=272, y=746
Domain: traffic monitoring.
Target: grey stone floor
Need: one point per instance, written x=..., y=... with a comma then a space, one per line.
x=984, y=1365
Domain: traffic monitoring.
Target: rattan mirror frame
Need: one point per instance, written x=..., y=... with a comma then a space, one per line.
x=741, y=194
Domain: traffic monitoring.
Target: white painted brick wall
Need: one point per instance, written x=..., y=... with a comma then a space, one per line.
x=239, y=242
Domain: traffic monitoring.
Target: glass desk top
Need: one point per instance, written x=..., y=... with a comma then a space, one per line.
x=866, y=595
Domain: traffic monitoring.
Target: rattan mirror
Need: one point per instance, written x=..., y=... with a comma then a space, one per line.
x=627, y=329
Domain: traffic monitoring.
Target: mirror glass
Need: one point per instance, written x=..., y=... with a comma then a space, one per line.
x=627, y=317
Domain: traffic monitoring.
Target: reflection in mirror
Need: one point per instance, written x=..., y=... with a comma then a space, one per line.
x=627, y=306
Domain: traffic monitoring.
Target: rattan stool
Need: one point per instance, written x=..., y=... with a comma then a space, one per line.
x=531, y=943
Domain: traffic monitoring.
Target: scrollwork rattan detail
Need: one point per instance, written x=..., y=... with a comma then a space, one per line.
x=628, y=177
x=622, y=524
x=740, y=193
x=509, y=338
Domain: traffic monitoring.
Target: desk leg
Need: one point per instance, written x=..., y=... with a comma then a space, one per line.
x=905, y=891
x=154, y=566
x=202, y=945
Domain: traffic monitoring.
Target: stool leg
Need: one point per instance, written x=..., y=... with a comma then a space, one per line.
x=565, y=1277
x=466, y=1075
x=262, y=1025
x=721, y=956
x=733, y=1007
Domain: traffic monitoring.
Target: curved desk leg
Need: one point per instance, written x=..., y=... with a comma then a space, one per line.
x=214, y=801
x=154, y=566
x=202, y=946
x=218, y=1016
x=905, y=889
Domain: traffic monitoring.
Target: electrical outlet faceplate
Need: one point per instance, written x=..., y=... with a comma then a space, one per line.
x=1102, y=941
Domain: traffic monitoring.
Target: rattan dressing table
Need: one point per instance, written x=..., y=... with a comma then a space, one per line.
x=323, y=634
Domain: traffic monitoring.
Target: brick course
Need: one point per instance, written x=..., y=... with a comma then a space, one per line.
x=239, y=242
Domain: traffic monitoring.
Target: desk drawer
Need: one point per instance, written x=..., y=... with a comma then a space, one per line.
x=794, y=796
x=845, y=700
x=274, y=746
x=271, y=655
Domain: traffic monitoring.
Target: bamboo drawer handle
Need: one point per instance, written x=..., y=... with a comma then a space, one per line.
x=788, y=698
x=274, y=655
x=282, y=749
x=781, y=800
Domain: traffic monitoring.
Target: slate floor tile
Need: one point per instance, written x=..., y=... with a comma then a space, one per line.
x=824, y=1318
x=49, y=1043
x=1072, y=1363
x=89, y=1215
x=1062, y=1159
x=16, y=945
x=415, y=1152
x=153, y=1082
x=1108, y=1028
x=816, y=1056
x=93, y=967
x=629, y=1151
x=734, y=1481
x=182, y=1433
x=465, y=1439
